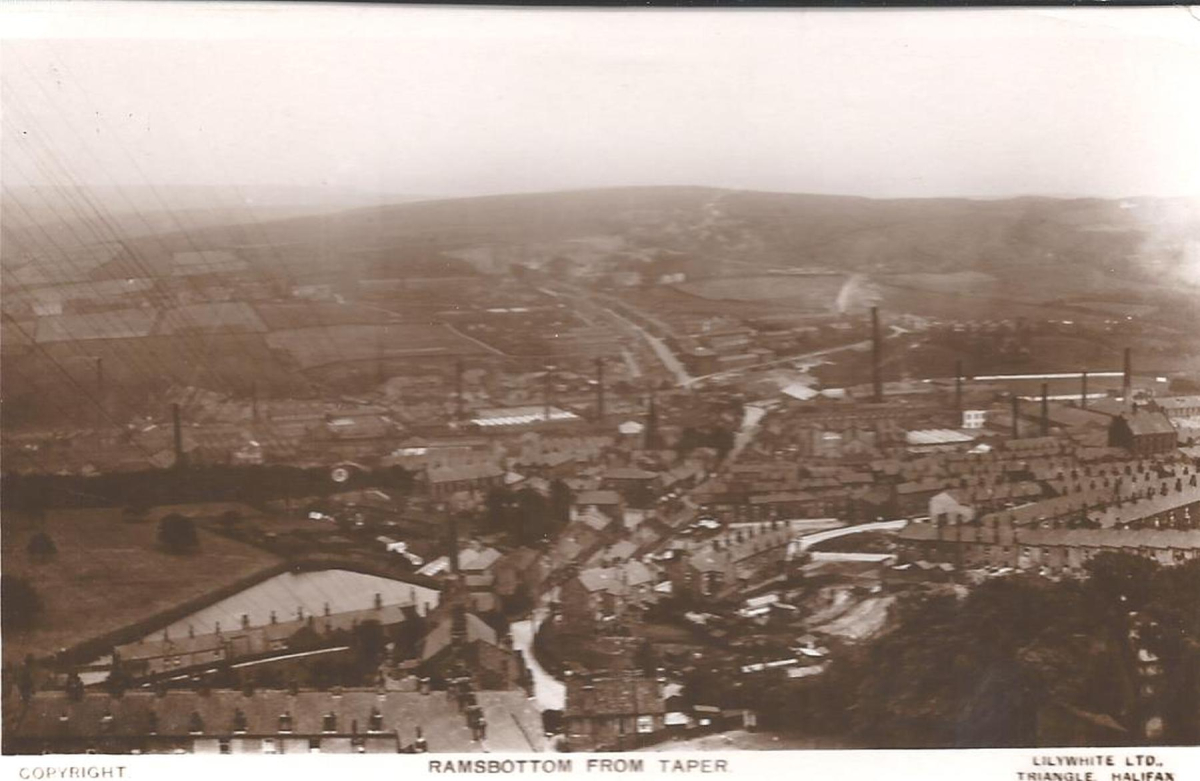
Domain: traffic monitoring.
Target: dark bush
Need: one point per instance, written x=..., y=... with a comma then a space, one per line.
x=41, y=546
x=20, y=604
x=178, y=534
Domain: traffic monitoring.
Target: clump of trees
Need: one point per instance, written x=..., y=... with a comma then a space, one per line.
x=975, y=671
x=719, y=438
x=139, y=491
x=20, y=603
x=526, y=515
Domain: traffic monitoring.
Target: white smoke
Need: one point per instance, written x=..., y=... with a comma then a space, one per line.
x=857, y=294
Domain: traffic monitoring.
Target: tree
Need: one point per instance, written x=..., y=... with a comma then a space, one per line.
x=305, y=639
x=1122, y=578
x=532, y=516
x=119, y=679
x=178, y=534
x=501, y=504
x=20, y=604
x=367, y=643
x=41, y=546
x=645, y=659
x=561, y=499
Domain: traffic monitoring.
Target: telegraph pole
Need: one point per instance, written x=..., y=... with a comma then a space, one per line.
x=177, y=421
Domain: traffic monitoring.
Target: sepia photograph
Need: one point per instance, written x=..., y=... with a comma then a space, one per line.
x=386, y=379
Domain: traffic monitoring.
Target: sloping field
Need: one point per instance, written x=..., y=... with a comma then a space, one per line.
x=152, y=362
x=817, y=292
x=220, y=317
x=109, y=573
x=333, y=344
x=290, y=592
x=120, y=324
x=1115, y=308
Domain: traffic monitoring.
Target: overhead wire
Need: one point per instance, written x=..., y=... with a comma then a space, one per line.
x=81, y=275
x=199, y=359
x=162, y=204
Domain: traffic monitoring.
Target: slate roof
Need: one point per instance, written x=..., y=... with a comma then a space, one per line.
x=476, y=559
x=616, y=579
x=1089, y=538
x=258, y=639
x=613, y=697
x=629, y=473
x=1143, y=423
x=439, y=637
x=1136, y=509
x=453, y=474
x=595, y=519
x=510, y=718
x=731, y=551
x=1174, y=403
x=599, y=498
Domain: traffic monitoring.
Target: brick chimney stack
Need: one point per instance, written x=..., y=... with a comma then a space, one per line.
x=1045, y=409
x=958, y=385
x=1127, y=382
x=876, y=357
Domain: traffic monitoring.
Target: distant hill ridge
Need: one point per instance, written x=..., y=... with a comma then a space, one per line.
x=1051, y=240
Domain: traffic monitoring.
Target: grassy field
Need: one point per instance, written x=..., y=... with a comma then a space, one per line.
x=305, y=314
x=109, y=573
x=318, y=346
x=957, y=282
x=54, y=382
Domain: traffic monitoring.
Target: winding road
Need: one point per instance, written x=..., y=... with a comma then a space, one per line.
x=549, y=692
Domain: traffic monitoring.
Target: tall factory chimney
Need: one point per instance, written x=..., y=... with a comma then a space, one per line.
x=599, y=389
x=1127, y=383
x=958, y=385
x=177, y=422
x=452, y=527
x=876, y=356
x=650, y=436
x=1083, y=390
x=1045, y=409
x=1016, y=416
x=458, y=389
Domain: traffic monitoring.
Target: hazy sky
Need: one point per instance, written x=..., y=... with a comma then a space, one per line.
x=470, y=101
